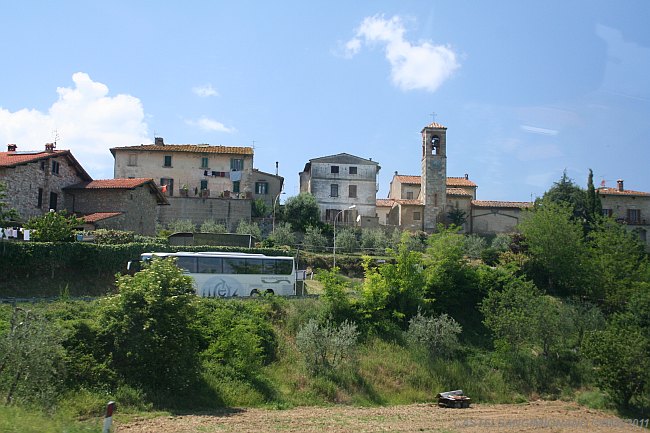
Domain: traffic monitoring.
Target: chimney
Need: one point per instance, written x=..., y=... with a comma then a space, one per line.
x=11, y=147
x=466, y=176
x=395, y=173
x=620, y=184
x=276, y=168
x=49, y=147
x=159, y=141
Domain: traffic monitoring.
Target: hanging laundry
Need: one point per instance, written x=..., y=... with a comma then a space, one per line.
x=235, y=176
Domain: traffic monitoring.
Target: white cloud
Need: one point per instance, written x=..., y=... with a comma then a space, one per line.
x=414, y=66
x=205, y=91
x=87, y=121
x=210, y=125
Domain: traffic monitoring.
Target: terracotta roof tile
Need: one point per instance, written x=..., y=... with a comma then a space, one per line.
x=12, y=159
x=98, y=216
x=191, y=148
x=459, y=181
x=111, y=184
x=459, y=191
x=435, y=125
x=451, y=181
x=403, y=178
x=507, y=204
x=388, y=202
x=615, y=191
x=409, y=202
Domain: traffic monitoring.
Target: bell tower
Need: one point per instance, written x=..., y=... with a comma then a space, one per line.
x=434, y=175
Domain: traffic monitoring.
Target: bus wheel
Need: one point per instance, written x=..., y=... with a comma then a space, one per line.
x=254, y=293
x=269, y=292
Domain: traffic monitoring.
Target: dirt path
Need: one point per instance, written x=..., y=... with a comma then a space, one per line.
x=556, y=417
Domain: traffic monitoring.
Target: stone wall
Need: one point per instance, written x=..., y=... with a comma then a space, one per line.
x=24, y=181
x=494, y=220
x=198, y=210
x=139, y=206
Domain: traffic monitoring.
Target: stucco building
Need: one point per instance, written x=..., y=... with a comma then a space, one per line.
x=189, y=169
x=200, y=181
x=339, y=182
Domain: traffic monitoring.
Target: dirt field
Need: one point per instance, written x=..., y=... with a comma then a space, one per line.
x=553, y=417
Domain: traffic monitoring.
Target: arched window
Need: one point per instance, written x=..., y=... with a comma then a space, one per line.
x=435, y=145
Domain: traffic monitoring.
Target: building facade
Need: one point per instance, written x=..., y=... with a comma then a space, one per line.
x=339, y=182
x=36, y=180
x=198, y=170
x=121, y=204
x=629, y=207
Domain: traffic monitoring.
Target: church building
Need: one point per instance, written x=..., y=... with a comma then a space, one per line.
x=421, y=202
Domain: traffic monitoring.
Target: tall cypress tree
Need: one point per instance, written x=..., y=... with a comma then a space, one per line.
x=594, y=205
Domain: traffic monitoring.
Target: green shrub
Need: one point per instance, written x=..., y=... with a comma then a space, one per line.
x=181, y=226
x=314, y=240
x=249, y=228
x=53, y=227
x=238, y=338
x=113, y=237
x=374, y=240
x=212, y=226
x=148, y=329
x=283, y=235
x=31, y=360
x=327, y=347
x=501, y=242
x=474, y=245
x=437, y=335
x=346, y=241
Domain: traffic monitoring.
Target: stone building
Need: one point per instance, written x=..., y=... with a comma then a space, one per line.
x=36, y=180
x=339, y=182
x=121, y=204
x=628, y=207
x=420, y=202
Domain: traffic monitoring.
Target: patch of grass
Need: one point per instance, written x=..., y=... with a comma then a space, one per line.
x=593, y=399
x=19, y=420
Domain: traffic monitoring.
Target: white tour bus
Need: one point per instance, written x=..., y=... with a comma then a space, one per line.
x=219, y=274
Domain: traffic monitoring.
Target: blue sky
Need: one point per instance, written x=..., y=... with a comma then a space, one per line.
x=526, y=89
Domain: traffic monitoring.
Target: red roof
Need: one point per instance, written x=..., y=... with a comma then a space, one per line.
x=13, y=159
x=387, y=202
x=410, y=202
x=111, y=184
x=451, y=181
x=191, y=148
x=506, y=204
x=403, y=178
x=459, y=191
x=98, y=216
x=459, y=181
x=616, y=191
x=435, y=125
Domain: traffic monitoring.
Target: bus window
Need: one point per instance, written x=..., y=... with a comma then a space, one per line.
x=234, y=266
x=210, y=265
x=283, y=267
x=254, y=266
x=187, y=263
